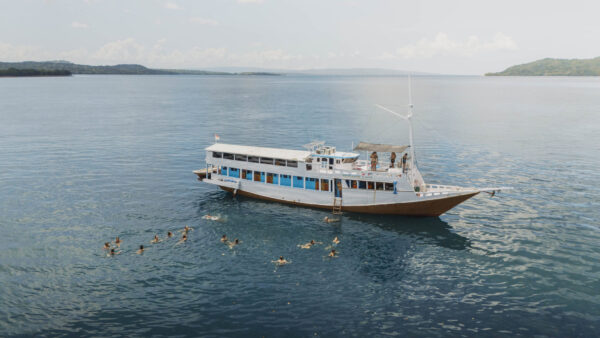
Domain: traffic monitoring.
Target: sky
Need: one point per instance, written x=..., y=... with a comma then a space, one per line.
x=447, y=37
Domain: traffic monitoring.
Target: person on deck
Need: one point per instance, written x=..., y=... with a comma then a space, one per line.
x=392, y=159
x=374, y=161
x=404, y=158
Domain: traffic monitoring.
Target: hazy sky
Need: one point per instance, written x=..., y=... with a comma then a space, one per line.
x=453, y=37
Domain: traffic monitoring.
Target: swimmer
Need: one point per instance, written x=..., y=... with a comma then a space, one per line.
x=224, y=239
x=106, y=246
x=155, y=240
x=336, y=240
x=332, y=253
x=281, y=261
x=118, y=242
x=141, y=250
x=187, y=229
x=169, y=234
x=113, y=252
x=234, y=243
x=183, y=239
x=330, y=220
x=308, y=245
x=211, y=217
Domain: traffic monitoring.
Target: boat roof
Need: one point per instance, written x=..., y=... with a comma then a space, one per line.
x=284, y=154
x=386, y=148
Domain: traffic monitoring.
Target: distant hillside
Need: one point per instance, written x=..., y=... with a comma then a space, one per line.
x=554, y=67
x=13, y=72
x=125, y=69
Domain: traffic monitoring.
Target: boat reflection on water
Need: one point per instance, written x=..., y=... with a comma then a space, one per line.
x=430, y=230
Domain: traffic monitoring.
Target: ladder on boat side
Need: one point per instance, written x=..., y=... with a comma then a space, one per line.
x=337, y=206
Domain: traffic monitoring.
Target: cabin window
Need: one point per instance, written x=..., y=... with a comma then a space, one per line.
x=347, y=183
x=331, y=161
x=234, y=172
x=389, y=186
x=217, y=154
x=298, y=182
x=309, y=167
x=318, y=159
x=379, y=185
x=293, y=164
x=270, y=178
x=258, y=176
x=362, y=185
x=275, y=178
x=337, y=161
x=324, y=185
x=310, y=183
x=241, y=157
x=266, y=160
x=263, y=176
x=280, y=162
x=370, y=186
x=247, y=174
x=286, y=180
x=309, y=160
x=227, y=156
x=223, y=171
x=353, y=184
x=253, y=159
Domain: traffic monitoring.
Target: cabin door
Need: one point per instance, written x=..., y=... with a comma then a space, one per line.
x=337, y=187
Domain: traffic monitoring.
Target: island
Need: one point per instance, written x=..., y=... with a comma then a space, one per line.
x=13, y=72
x=121, y=69
x=554, y=67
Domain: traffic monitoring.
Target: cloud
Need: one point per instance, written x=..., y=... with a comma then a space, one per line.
x=126, y=50
x=204, y=21
x=76, y=24
x=172, y=5
x=443, y=45
x=250, y=1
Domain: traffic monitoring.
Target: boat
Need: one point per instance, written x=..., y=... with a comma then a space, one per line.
x=323, y=177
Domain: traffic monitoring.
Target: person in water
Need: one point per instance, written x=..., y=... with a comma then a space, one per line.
x=155, y=240
x=309, y=244
x=106, y=246
x=140, y=250
x=187, y=229
x=169, y=234
x=281, y=261
x=224, y=239
x=234, y=243
x=332, y=253
x=183, y=238
x=330, y=220
x=113, y=252
x=118, y=242
x=336, y=240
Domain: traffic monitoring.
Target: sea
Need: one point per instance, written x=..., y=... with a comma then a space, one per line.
x=86, y=158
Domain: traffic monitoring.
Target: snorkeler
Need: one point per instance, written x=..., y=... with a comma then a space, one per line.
x=336, y=240
x=106, y=246
x=118, y=241
x=330, y=220
x=332, y=253
x=234, y=243
x=281, y=261
x=224, y=239
x=141, y=250
x=183, y=238
x=169, y=234
x=308, y=245
x=113, y=252
x=155, y=240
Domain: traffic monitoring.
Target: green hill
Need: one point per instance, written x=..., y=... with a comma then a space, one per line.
x=554, y=67
x=125, y=69
x=13, y=72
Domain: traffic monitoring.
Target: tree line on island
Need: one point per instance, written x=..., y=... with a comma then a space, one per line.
x=554, y=67
x=46, y=68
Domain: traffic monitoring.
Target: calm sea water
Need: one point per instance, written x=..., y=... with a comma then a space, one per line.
x=88, y=158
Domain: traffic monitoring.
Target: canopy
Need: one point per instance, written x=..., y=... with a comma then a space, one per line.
x=386, y=148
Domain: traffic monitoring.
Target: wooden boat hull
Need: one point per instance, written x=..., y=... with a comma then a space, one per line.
x=431, y=207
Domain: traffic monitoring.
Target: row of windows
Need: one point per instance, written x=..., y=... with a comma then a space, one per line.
x=369, y=185
x=256, y=159
x=301, y=182
x=285, y=180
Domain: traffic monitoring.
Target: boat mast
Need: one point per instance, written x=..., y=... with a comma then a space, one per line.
x=410, y=127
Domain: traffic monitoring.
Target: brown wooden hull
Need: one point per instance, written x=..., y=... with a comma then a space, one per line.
x=430, y=208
